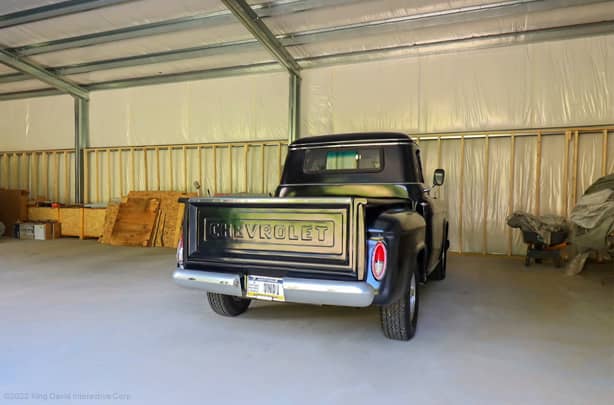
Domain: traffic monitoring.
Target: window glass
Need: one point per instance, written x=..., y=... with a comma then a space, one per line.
x=320, y=160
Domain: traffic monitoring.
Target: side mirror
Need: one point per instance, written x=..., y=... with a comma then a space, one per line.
x=438, y=177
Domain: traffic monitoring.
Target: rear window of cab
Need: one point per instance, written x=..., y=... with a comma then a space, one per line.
x=343, y=160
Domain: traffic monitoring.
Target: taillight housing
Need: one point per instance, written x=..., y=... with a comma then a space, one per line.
x=180, y=252
x=379, y=258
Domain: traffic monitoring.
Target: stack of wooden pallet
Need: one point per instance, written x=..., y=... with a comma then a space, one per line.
x=145, y=218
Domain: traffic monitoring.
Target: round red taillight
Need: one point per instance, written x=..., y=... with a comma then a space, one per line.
x=378, y=261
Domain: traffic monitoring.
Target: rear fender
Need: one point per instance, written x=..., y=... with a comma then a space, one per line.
x=403, y=232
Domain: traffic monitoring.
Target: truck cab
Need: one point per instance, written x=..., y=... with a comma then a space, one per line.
x=352, y=223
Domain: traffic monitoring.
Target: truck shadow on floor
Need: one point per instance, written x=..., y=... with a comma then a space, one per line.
x=261, y=310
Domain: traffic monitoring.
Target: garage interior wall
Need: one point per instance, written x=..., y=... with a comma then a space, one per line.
x=568, y=83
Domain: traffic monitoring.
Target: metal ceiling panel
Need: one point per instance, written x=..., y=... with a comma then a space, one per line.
x=13, y=6
x=212, y=62
x=403, y=36
x=6, y=70
x=143, y=46
x=122, y=15
x=362, y=11
x=25, y=85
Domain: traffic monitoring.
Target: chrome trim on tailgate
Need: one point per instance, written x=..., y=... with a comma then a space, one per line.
x=299, y=290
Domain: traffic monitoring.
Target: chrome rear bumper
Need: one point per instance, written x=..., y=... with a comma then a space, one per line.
x=299, y=290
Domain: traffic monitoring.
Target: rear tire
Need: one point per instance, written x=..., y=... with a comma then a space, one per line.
x=400, y=318
x=227, y=305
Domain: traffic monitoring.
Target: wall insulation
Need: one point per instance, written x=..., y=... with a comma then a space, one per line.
x=550, y=84
x=37, y=123
x=240, y=108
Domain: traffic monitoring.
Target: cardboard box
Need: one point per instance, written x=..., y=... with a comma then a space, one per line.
x=24, y=230
x=43, y=231
x=37, y=230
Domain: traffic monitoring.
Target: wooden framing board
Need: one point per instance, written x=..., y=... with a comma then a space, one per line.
x=279, y=166
x=200, y=170
x=120, y=163
x=184, y=152
x=45, y=175
x=67, y=178
x=157, y=152
x=145, y=169
x=245, y=167
x=486, y=186
x=97, y=176
x=510, y=208
x=230, y=174
x=109, y=174
x=574, y=173
x=214, y=151
x=461, y=196
x=263, y=172
x=86, y=176
x=538, y=173
x=604, y=156
x=565, y=185
x=132, y=169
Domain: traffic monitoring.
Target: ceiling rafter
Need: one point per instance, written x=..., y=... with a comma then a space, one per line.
x=38, y=72
x=253, y=23
x=54, y=10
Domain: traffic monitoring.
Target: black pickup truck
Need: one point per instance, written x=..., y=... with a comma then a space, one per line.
x=351, y=224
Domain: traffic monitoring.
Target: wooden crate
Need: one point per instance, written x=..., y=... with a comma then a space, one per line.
x=76, y=221
x=43, y=214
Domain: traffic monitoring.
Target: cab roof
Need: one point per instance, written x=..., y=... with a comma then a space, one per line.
x=359, y=137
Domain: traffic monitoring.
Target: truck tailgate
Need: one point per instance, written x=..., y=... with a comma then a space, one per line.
x=290, y=234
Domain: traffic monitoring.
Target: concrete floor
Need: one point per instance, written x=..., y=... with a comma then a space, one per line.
x=81, y=318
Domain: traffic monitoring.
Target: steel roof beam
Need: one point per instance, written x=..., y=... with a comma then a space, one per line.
x=54, y=10
x=213, y=19
x=253, y=23
x=38, y=72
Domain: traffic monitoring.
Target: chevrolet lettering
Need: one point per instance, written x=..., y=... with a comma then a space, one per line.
x=273, y=230
x=352, y=223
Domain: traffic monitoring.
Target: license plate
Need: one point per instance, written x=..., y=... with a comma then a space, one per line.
x=267, y=288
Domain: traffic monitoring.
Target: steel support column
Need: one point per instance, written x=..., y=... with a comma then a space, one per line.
x=82, y=111
x=295, y=108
